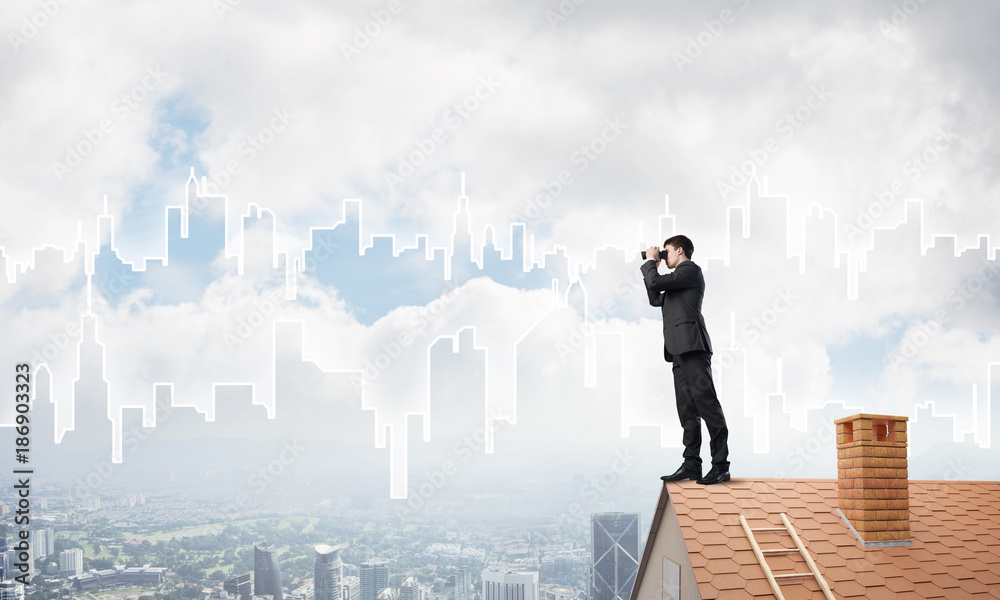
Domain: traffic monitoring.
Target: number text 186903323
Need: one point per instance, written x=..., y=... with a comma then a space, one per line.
x=22, y=489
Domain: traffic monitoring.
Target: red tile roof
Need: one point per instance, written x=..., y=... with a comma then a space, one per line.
x=954, y=551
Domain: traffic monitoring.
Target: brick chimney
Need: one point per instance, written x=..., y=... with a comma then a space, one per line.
x=872, y=482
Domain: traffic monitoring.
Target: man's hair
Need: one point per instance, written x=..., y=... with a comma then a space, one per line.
x=681, y=241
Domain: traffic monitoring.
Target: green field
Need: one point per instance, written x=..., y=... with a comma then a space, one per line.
x=182, y=532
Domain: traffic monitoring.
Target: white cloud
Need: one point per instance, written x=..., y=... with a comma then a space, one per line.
x=348, y=123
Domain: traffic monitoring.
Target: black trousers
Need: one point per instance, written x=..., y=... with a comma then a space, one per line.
x=696, y=400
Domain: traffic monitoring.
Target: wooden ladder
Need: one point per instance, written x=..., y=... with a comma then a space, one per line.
x=799, y=547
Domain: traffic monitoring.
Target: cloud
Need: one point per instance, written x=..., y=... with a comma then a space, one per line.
x=579, y=127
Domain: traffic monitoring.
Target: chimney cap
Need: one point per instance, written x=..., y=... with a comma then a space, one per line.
x=853, y=418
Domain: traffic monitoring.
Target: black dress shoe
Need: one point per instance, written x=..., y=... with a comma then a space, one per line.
x=715, y=475
x=683, y=473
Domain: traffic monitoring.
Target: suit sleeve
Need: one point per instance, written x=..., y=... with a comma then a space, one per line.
x=655, y=297
x=677, y=279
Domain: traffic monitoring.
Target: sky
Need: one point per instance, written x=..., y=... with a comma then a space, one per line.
x=834, y=163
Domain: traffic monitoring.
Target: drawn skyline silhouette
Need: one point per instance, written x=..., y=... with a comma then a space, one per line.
x=244, y=378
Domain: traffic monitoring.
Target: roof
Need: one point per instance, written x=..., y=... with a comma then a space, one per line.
x=955, y=535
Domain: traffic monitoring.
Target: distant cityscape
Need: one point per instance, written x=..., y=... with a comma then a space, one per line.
x=130, y=551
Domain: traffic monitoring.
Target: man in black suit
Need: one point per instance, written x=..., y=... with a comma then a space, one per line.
x=686, y=344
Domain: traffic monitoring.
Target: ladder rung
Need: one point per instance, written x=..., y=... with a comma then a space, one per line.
x=790, y=575
x=780, y=550
x=769, y=529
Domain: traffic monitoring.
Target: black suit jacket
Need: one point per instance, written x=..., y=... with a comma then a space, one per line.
x=679, y=295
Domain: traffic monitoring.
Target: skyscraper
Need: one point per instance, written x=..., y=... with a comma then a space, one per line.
x=42, y=542
x=70, y=562
x=266, y=572
x=327, y=573
x=351, y=588
x=509, y=585
x=614, y=555
x=374, y=578
x=8, y=559
x=410, y=589
x=239, y=586
x=11, y=590
x=457, y=586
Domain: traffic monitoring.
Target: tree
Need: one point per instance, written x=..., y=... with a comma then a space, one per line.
x=189, y=571
x=98, y=563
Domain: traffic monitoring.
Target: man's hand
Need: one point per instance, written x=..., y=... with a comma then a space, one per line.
x=653, y=253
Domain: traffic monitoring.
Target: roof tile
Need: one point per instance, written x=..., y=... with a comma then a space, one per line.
x=707, y=526
x=742, y=543
x=870, y=579
x=899, y=584
x=843, y=539
x=703, y=514
x=708, y=591
x=971, y=586
x=718, y=551
x=821, y=547
x=918, y=575
x=851, y=589
x=759, y=587
x=746, y=557
x=729, y=581
x=961, y=572
x=945, y=581
x=814, y=535
x=784, y=562
x=724, y=565
x=928, y=590
x=839, y=574
x=989, y=577
x=830, y=560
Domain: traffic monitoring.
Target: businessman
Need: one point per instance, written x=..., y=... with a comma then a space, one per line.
x=686, y=344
